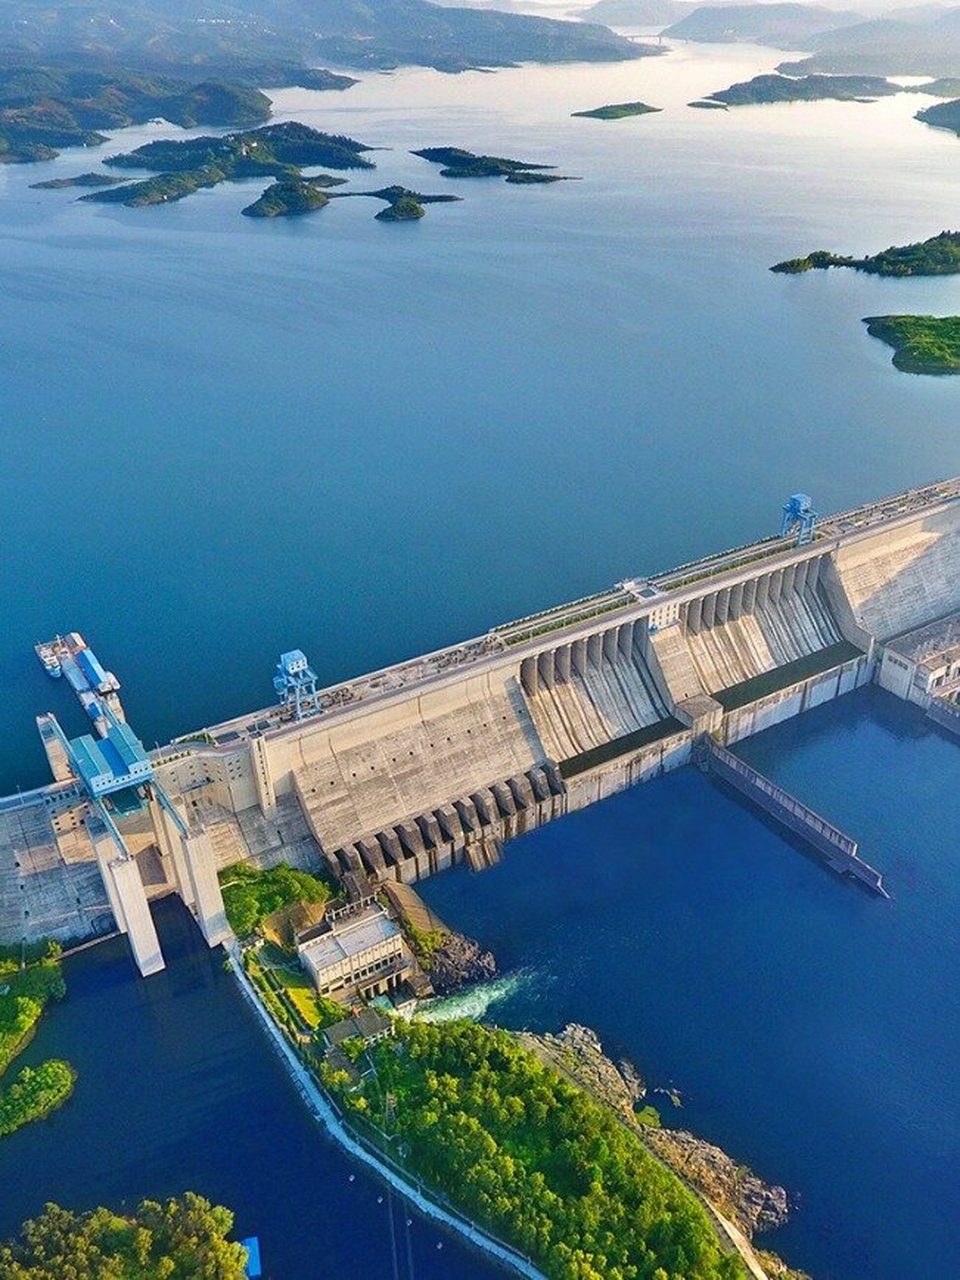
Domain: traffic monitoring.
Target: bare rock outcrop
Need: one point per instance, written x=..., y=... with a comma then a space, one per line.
x=736, y=1191
x=577, y=1053
x=460, y=960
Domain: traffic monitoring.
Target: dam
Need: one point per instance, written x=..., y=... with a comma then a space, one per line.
x=440, y=759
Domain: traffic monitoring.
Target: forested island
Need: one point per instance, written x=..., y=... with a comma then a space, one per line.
x=616, y=111
x=458, y=163
x=189, y=165
x=182, y=1238
x=921, y=344
x=91, y=180
x=938, y=256
x=289, y=198
x=814, y=88
x=943, y=115
x=28, y=981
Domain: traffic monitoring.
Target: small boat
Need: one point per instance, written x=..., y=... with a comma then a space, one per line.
x=49, y=660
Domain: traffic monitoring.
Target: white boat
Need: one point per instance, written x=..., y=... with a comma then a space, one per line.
x=49, y=660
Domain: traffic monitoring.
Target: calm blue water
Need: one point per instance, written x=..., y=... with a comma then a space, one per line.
x=810, y=1028
x=222, y=439
x=178, y=1089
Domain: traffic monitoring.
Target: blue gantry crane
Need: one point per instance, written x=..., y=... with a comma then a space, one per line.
x=798, y=513
x=296, y=683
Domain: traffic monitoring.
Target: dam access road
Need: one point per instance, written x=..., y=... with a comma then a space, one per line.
x=407, y=771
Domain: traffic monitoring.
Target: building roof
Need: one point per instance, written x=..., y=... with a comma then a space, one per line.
x=367, y=1024
x=110, y=763
x=350, y=937
x=936, y=643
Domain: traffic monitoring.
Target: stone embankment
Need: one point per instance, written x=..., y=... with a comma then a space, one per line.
x=735, y=1190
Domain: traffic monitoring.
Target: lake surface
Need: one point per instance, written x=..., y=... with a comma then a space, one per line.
x=810, y=1028
x=226, y=438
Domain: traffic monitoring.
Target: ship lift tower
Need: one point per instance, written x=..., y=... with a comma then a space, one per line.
x=296, y=683
x=798, y=513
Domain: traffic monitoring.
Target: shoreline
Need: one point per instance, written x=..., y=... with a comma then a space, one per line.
x=324, y=1113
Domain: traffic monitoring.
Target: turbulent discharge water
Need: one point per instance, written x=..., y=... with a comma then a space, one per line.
x=476, y=1002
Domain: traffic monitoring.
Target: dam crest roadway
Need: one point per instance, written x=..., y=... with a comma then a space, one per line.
x=402, y=773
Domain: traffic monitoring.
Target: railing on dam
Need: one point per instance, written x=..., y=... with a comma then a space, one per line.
x=835, y=846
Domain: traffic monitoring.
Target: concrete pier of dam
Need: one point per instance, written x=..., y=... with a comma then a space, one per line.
x=440, y=759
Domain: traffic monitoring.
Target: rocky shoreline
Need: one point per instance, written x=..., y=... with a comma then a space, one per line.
x=458, y=961
x=750, y=1203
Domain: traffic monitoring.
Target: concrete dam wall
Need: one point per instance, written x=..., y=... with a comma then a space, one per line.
x=442, y=758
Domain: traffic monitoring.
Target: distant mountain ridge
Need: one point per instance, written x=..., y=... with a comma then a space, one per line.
x=217, y=34
x=919, y=41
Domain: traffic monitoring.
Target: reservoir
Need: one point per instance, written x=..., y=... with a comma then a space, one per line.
x=227, y=438
x=224, y=439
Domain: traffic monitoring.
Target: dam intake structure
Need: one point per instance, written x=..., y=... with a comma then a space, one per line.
x=441, y=759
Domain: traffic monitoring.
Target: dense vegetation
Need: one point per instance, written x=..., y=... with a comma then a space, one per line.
x=938, y=256
x=289, y=198
x=464, y=164
x=35, y=1091
x=223, y=37
x=534, y=1158
x=23, y=994
x=79, y=180
x=249, y=895
x=43, y=108
x=922, y=344
x=405, y=209
x=254, y=151
x=617, y=111
x=776, y=88
x=182, y=1239
x=277, y=151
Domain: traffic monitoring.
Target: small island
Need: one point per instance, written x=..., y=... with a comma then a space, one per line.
x=465, y=164
x=617, y=111
x=290, y=198
x=708, y=104
x=81, y=180
x=814, y=88
x=938, y=256
x=524, y=179
x=921, y=344
x=406, y=209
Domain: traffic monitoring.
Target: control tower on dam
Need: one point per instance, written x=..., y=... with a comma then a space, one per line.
x=401, y=773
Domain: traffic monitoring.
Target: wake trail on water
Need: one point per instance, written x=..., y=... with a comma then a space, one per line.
x=476, y=1001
